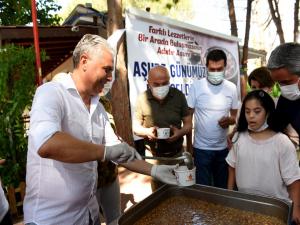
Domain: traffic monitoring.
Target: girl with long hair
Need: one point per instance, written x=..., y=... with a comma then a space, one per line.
x=263, y=161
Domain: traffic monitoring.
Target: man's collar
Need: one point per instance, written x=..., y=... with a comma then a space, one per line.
x=67, y=81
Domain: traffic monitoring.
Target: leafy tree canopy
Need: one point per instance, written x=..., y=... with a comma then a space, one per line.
x=18, y=12
x=176, y=9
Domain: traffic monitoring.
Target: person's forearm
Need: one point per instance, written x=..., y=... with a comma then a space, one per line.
x=294, y=193
x=66, y=148
x=187, y=125
x=189, y=142
x=186, y=128
x=233, y=115
x=232, y=120
x=139, y=166
x=231, y=178
x=139, y=130
x=231, y=134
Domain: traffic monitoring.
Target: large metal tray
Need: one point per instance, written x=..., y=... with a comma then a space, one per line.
x=248, y=202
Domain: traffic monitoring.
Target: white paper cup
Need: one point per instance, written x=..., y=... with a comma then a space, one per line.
x=163, y=133
x=184, y=176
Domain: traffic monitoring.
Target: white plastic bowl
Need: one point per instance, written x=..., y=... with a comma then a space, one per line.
x=184, y=176
x=163, y=133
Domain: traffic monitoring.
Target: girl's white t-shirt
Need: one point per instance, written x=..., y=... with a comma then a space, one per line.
x=264, y=167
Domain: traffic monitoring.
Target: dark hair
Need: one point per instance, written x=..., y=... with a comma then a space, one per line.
x=263, y=76
x=216, y=55
x=287, y=56
x=266, y=102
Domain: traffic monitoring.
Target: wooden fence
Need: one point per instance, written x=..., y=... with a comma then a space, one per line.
x=15, y=198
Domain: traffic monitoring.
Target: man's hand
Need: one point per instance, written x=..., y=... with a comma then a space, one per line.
x=225, y=121
x=296, y=215
x=120, y=153
x=164, y=173
x=151, y=133
x=175, y=134
x=2, y=161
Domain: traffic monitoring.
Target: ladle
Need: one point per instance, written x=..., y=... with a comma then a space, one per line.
x=164, y=158
x=186, y=157
x=188, y=160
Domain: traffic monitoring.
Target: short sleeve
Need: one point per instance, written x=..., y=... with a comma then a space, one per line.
x=110, y=136
x=191, y=99
x=231, y=157
x=45, y=115
x=235, y=101
x=289, y=166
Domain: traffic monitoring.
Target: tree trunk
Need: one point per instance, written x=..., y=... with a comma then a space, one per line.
x=234, y=32
x=232, y=18
x=296, y=21
x=273, y=4
x=246, y=39
x=120, y=96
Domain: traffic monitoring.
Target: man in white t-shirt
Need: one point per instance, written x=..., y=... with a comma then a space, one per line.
x=213, y=101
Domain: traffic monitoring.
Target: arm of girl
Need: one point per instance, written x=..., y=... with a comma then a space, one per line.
x=294, y=192
x=231, y=178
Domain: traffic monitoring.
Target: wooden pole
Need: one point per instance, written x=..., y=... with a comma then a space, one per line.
x=120, y=94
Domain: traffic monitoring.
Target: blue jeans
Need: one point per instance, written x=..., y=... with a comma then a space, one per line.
x=211, y=167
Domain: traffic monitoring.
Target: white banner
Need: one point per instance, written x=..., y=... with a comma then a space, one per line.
x=182, y=48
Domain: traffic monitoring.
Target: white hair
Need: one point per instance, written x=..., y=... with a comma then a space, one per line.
x=90, y=43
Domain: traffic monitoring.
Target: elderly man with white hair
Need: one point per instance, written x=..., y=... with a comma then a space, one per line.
x=69, y=131
x=284, y=64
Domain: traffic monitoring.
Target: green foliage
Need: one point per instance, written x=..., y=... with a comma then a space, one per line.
x=248, y=88
x=276, y=90
x=96, y=4
x=18, y=12
x=17, y=86
x=274, y=93
x=176, y=9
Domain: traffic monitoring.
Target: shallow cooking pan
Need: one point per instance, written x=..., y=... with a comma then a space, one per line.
x=233, y=199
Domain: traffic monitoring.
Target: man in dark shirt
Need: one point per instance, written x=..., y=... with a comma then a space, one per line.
x=162, y=106
x=284, y=64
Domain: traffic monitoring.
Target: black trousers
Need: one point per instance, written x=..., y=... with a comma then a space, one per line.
x=140, y=146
